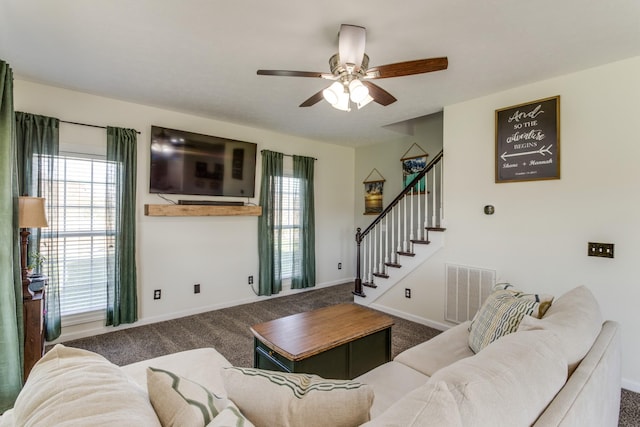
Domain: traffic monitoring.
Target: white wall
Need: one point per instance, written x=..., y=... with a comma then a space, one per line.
x=385, y=157
x=537, y=239
x=220, y=253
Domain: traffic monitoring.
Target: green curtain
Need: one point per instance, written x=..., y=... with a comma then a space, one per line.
x=304, y=254
x=122, y=298
x=269, y=239
x=37, y=139
x=11, y=323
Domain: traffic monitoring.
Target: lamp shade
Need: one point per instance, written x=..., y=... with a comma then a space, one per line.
x=31, y=212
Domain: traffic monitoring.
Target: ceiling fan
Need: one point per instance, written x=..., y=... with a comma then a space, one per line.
x=351, y=73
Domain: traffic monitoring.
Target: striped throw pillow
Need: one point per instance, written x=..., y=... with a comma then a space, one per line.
x=501, y=314
x=270, y=398
x=181, y=402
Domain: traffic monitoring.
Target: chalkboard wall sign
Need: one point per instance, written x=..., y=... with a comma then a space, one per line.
x=528, y=141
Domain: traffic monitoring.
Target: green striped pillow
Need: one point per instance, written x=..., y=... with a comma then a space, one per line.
x=178, y=401
x=501, y=314
x=270, y=398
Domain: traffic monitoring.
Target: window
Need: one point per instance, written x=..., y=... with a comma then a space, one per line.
x=290, y=227
x=85, y=205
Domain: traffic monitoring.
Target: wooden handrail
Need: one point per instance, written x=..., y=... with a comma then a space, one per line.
x=361, y=234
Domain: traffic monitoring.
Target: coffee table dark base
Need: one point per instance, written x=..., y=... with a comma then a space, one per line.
x=346, y=361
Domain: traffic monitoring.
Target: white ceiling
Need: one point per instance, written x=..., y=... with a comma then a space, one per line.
x=201, y=56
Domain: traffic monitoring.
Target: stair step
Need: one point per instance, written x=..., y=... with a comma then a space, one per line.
x=406, y=253
x=384, y=276
x=369, y=284
x=392, y=264
x=420, y=242
x=435, y=228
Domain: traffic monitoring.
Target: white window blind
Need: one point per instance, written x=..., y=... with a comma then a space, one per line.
x=290, y=227
x=84, y=232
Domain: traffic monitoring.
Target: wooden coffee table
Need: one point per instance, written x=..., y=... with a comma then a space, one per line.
x=340, y=341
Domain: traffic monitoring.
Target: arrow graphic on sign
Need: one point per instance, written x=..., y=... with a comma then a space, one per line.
x=541, y=151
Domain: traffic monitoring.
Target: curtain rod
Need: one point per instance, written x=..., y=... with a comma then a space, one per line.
x=287, y=155
x=91, y=126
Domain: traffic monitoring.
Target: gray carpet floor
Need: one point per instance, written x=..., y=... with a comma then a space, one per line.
x=227, y=330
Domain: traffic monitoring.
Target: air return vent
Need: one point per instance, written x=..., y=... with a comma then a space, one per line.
x=466, y=290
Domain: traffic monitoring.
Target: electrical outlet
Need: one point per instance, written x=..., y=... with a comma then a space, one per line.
x=604, y=250
x=157, y=293
x=339, y=266
x=196, y=288
x=407, y=293
x=250, y=280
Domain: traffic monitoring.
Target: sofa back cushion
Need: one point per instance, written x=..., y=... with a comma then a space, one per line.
x=576, y=318
x=431, y=404
x=70, y=386
x=510, y=382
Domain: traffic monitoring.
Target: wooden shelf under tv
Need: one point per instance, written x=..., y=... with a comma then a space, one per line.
x=201, y=210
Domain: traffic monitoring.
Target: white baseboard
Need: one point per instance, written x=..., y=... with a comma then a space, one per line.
x=413, y=318
x=633, y=386
x=95, y=329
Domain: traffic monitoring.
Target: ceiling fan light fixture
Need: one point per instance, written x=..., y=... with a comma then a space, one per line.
x=358, y=91
x=333, y=93
x=343, y=102
x=364, y=102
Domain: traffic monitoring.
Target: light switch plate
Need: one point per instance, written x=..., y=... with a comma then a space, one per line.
x=603, y=250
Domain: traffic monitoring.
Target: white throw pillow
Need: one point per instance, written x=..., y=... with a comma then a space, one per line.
x=180, y=402
x=270, y=398
x=70, y=386
x=501, y=314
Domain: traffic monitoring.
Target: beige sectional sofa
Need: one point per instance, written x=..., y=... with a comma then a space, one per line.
x=560, y=370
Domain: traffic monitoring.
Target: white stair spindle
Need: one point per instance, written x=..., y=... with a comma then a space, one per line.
x=441, y=193
x=419, y=215
x=404, y=234
x=394, y=254
x=364, y=259
x=433, y=217
x=375, y=251
x=399, y=227
x=386, y=239
x=382, y=266
x=426, y=207
x=371, y=249
x=411, y=223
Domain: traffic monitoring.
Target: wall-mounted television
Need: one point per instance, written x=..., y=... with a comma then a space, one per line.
x=190, y=163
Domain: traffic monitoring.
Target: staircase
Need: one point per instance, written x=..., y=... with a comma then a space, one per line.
x=407, y=232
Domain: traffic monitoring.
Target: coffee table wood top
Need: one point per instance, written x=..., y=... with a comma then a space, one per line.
x=302, y=335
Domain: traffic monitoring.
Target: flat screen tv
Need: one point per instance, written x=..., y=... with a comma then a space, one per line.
x=190, y=163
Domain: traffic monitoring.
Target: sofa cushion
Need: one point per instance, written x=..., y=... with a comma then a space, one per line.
x=576, y=318
x=438, y=352
x=431, y=404
x=501, y=314
x=280, y=399
x=181, y=402
x=390, y=382
x=70, y=386
x=510, y=382
x=200, y=364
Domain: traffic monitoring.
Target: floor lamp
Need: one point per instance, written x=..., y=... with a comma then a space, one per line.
x=31, y=214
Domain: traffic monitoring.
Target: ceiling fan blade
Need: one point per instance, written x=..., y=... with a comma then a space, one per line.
x=313, y=100
x=287, y=73
x=378, y=94
x=351, y=40
x=408, y=68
